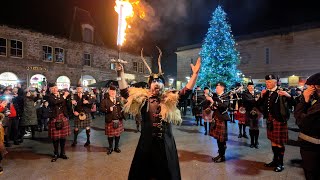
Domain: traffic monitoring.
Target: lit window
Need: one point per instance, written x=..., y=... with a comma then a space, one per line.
x=87, y=59
x=112, y=66
x=135, y=66
x=58, y=55
x=47, y=53
x=16, y=48
x=3, y=47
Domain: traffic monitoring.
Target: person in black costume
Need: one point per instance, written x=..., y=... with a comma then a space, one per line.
x=156, y=155
x=307, y=114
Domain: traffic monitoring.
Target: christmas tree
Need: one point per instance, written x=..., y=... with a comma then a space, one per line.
x=219, y=55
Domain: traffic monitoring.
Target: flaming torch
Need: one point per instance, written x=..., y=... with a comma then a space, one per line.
x=125, y=10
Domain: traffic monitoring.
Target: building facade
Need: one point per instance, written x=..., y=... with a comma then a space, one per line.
x=33, y=58
x=292, y=54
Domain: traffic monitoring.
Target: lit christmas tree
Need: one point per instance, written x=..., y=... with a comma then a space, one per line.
x=219, y=55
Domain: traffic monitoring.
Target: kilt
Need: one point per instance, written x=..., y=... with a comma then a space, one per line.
x=56, y=134
x=279, y=134
x=207, y=117
x=110, y=131
x=240, y=117
x=82, y=123
x=219, y=131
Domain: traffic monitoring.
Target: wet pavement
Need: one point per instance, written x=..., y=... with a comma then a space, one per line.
x=32, y=159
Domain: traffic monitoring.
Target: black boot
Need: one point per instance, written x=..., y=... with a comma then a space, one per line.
x=200, y=119
x=116, y=146
x=244, y=131
x=33, y=132
x=56, y=150
x=138, y=128
x=221, y=157
x=273, y=163
x=62, y=150
x=280, y=166
x=110, y=149
x=205, y=128
x=75, y=138
x=6, y=141
x=88, y=138
x=256, y=137
x=251, y=133
x=240, y=130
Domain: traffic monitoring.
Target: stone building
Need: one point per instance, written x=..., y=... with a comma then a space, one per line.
x=29, y=57
x=291, y=53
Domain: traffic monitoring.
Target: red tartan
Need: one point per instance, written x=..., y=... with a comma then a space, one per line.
x=110, y=131
x=220, y=131
x=56, y=134
x=279, y=134
x=207, y=117
x=240, y=117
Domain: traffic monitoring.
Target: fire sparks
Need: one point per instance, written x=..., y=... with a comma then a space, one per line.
x=126, y=10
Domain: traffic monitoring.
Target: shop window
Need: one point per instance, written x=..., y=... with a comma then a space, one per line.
x=58, y=55
x=47, y=53
x=3, y=47
x=87, y=59
x=16, y=48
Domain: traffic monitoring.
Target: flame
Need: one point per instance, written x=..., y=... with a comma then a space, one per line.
x=125, y=10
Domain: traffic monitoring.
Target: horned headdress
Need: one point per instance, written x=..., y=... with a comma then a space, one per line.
x=153, y=76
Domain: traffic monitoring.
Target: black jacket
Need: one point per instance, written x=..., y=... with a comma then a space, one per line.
x=116, y=114
x=57, y=105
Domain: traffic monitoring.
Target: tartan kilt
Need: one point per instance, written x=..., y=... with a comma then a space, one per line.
x=279, y=134
x=110, y=131
x=207, y=117
x=240, y=117
x=83, y=123
x=56, y=134
x=219, y=131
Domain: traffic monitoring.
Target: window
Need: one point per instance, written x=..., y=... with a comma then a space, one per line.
x=3, y=47
x=112, y=66
x=87, y=59
x=87, y=35
x=16, y=48
x=267, y=55
x=47, y=53
x=58, y=55
x=135, y=66
x=141, y=70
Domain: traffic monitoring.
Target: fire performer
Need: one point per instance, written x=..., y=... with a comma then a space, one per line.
x=156, y=155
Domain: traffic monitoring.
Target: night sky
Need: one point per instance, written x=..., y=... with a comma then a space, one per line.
x=170, y=24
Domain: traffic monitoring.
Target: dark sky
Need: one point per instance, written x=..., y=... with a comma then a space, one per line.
x=169, y=23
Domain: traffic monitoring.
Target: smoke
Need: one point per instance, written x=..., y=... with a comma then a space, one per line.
x=160, y=20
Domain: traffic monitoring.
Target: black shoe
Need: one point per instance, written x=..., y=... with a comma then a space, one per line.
x=240, y=136
x=271, y=164
x=117, y=150
x=74, y=144
x=251, y=146
x=215, y=158
x=220, y=159
x=54, y=158
x=63, y=156
x=87, y=144
x=109, y=151
x=279, y=168
x=201, y=124
x=7, y=145
x=205, y=133
x=245, y=136
x=256, y=146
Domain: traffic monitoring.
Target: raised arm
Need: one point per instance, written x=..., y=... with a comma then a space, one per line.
x=120, y=77
x=195, y=71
